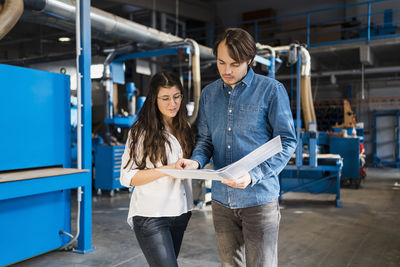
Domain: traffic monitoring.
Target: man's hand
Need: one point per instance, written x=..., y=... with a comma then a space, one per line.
x=242, y=182
x=187, y=164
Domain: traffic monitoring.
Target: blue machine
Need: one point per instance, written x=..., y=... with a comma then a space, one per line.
x=317, y=172
x=349, y=148
x=314, y=173
x=35, y=160
x=108, y=158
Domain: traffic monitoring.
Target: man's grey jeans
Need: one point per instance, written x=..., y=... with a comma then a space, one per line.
x=247, y=236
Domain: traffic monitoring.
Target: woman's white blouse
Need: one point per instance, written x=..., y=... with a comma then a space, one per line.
x=164, y=197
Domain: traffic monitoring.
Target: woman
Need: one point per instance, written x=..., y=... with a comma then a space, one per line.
x=160, y=205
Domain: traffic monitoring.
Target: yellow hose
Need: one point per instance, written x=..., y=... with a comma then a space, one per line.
x=11, y=11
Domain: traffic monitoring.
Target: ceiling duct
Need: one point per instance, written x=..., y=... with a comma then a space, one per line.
x=109, y=24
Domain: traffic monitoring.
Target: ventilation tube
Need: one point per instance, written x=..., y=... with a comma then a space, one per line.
x=109, y=25
x=307, y=102
x=196, y=79
x=11, y=11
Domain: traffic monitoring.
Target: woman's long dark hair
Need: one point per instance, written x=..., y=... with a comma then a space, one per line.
x=150, y=129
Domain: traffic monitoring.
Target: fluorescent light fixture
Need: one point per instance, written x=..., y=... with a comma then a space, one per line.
x=64, y=39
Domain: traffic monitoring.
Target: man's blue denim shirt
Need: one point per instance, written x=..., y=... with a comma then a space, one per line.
x=232, y=123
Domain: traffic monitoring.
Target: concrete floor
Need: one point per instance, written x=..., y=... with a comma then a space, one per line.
x=364, y=232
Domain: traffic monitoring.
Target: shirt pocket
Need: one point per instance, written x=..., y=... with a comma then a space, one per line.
x=250, y=117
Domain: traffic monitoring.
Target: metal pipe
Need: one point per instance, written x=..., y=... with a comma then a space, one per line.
x=79, y=126
x=78, y=85
x=85, y=236
x=305, y=62
x=11, y=11
x=196, y=79
x=107, y=79
x=112, y=25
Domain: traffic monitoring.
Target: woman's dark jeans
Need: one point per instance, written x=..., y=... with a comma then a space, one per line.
x=160, y=238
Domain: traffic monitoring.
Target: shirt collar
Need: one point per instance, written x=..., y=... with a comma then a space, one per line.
x=249, y=77
x=246, y=80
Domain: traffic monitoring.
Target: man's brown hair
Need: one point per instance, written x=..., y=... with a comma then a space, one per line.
x=241, y=45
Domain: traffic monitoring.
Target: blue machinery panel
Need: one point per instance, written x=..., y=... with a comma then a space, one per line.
x=36, y=118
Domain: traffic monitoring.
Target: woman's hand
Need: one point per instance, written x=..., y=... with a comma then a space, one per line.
x=169, y=166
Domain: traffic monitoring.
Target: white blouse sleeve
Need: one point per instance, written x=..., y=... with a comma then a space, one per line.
x=127, y=172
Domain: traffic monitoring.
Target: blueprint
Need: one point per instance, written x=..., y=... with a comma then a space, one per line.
x=234, y=170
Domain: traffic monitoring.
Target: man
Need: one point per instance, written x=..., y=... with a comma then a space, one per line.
x=237, y=114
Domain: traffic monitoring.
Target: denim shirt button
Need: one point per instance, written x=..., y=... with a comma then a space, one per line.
x=229, y=147
x=229, y=129
x=230, y=111
x=229, y=92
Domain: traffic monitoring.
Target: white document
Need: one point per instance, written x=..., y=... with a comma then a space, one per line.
x=234, y=170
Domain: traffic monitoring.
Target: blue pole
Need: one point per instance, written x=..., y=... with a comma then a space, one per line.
x=308, y=29
x=349, y=92
x=369, y=23
x=374, y=141
x=299, y=152
x=291, y=86
x=271, y=68
x=85, y=236
x=256, y=31
x=397, y=138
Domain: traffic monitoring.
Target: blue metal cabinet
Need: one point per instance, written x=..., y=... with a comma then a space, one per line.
x=349, y=149
x=107, y=167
